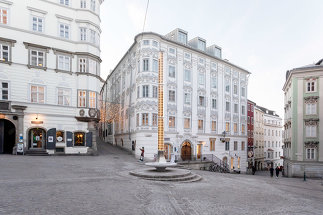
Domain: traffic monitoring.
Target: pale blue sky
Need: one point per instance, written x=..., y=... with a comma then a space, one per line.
x=265, y=37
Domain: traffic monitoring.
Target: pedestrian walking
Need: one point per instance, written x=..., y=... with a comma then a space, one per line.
x=142, y=154
x=271, y=171
x=277, y=171
x=253, y=170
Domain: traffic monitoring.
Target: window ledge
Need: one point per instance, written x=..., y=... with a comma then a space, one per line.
x=89, y=74
x=63, y=71
x=6, y=62
x=36, y=67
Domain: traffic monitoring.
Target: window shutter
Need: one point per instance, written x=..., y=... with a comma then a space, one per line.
x=69, y=139
x=51, y=138
x=89, y=139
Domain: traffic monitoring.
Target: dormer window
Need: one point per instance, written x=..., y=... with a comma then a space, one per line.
x=182, y=37
x=201, y=45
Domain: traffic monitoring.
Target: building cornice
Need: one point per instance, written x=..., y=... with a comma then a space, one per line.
x=88, y=22
x=6, y=2
x=64, y=17
x=300, y=71
x=36, y=10
x=89, y=54
x=28, y=45
x=8, y=40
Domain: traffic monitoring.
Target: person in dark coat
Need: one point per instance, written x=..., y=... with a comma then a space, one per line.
x=277, y=171
x=253, y=170
x=271, y=171
x=142, y=154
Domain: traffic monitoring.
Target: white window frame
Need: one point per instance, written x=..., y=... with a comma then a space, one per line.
x=187, y=75
x=200, y=124
x=311, y=108
x=187, y=121
x=2, y=16
x=214, y=104
x=154, y=119
x=64, y=62
x=309, y=85
x=38, y=58
x=310, y=153
x=92, y=36
x=82, y=64
x=38, y=94
x=2, y=89
x=145, y=91
x=82, y=99
x=171, y=71
x=201, y=101
x=93, y=5
x=2, y=51
x=155, y=65
x=145, y=65
x=227, y=106
x=65, y=95
x=92, y=99
x=83, y=34
x=144, y=119
x=311, y=131
x=65, y=2
x=64, y=30
x=39, y=27
x=155, y=91
x=213, y=125
x=171, y=95
x=82, y=3
x=201, y=79
x=171, y=121
x=187, y=98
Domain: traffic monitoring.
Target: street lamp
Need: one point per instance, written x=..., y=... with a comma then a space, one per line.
x=223, y=139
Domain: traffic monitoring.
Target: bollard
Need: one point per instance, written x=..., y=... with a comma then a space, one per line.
x=304, y=176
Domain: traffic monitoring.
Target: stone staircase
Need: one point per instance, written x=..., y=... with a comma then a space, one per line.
x=38, y=152
x=171, y=175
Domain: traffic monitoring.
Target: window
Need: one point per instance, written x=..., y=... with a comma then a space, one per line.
x=145, y=91
x=155, y=65
x=201, y=101
x=182, y=37
x=37, y=58
x=243, y=110
x=213, y=82
x=227, y=127
x=201, y=45
x=171, y=51
x=171, y=95
x=4, y=52
x=79, y=139
x=146, y=42
x=243, y=91
x=310, y=108
x=37, y=94
x=83, y=34
x=242, y=146
x=213, y=125
x=187, y=98
x=201, y=79
x=92, y=67
x=200, y=124
x=214, y=65
x=137, y=119
x=82, y=65
x=235, y=145
x=235, y=127
x=138, y=92
x=92, y=36
x=64, y=31
x=242, y=128
x=214, y=103
x=227, y=106
x=93, y=5
x=144, y=119
x=310, y=153
x=155, y=43
x=187, y=75
x=187, y=123
x=4, y=91
x=155, y=119
x=187, y=56
x=171, y=122
x=3, y=16
x=92, y=99
x=171, y=71
x=310, y=130
x=235, y=89
x=310, y=86
x=37, y=24
x=212, y=144
x=155, y=91
x=227, y=86
x=65, y=2
x=83, y=3
x=63, y=62
x=60, y=136
x=146, y=64
x=227, y=146
x=64, y=97
x=235, y=108
x=81, y=98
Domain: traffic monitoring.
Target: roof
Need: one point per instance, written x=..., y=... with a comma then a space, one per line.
x=319, y=64
x=267, y=111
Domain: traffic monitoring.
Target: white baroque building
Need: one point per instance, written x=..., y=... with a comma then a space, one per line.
x=50, y=75
x=204, y=96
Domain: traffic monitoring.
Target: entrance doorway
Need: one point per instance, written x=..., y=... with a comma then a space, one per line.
x=168, y=151
x=37, y=138
x=186, y=151
x=225, y=162
x=7, y=136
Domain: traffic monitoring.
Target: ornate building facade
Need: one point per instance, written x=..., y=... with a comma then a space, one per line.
x=259, y=138
x=250, y=123
x=303, y=122
x=50, y=75
x=205, y=100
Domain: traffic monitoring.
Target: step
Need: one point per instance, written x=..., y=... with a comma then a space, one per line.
x=196, y=179
x=180, y=179
x=36, y=153
x=163, y=175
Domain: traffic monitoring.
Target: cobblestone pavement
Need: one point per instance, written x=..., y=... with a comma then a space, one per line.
x=102, y=185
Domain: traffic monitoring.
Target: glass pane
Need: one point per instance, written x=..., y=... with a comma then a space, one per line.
x=41, y=98
x=33, y=97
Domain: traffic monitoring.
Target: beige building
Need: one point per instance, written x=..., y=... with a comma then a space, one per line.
x=259, y=138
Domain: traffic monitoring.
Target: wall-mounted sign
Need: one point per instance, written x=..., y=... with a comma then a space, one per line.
x=37, y=122
x=59, y=139
x=69, y=139
x=50, y=139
